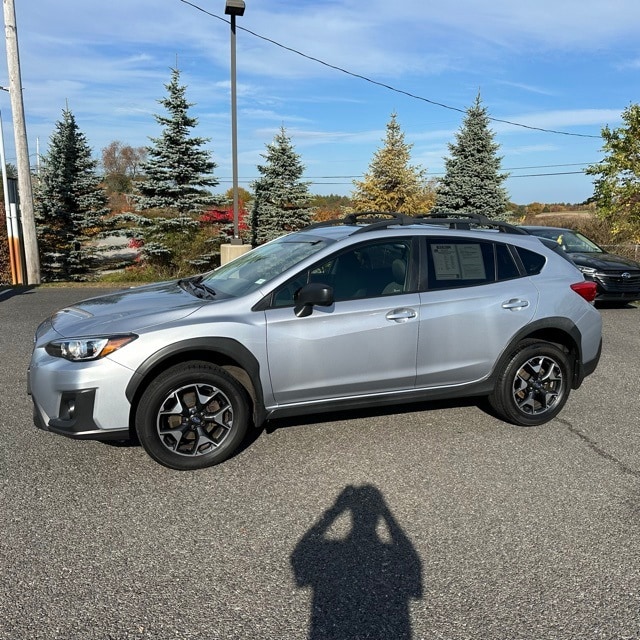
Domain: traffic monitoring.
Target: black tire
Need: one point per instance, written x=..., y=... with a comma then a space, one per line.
x=534, y=385
x=193, y=415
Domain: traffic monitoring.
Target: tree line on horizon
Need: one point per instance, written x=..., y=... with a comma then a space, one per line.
x=161, y=198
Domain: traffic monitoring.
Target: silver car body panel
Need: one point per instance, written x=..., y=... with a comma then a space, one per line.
x=353, y=347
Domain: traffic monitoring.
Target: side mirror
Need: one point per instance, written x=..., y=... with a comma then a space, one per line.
x=312, y=294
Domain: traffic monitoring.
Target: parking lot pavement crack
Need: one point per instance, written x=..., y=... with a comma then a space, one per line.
x=594, y=446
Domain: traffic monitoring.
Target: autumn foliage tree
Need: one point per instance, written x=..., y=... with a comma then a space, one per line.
x=121, y=164
x=617, y=175
x=392, y=183
x=221, y=218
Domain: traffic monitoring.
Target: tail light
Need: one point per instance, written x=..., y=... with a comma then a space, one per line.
x=587, y=289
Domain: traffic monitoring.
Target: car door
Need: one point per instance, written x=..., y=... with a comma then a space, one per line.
x=365, y=343
x=475, y=301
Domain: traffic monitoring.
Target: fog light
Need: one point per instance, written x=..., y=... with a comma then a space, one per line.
x=67, y=406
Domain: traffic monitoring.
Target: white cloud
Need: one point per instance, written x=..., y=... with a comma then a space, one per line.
x=633, y=63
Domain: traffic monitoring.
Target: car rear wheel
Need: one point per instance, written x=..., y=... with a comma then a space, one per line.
x=193, y=415
x=534, y=385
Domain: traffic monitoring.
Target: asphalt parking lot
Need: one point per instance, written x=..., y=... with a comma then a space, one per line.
x=463, y=527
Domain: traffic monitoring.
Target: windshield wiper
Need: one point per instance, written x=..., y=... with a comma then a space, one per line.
x=196, y=287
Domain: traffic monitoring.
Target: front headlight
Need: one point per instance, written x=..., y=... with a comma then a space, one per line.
x=81, y=349
x=588, y=271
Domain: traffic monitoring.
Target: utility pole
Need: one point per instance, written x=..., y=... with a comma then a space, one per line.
x=25, y=188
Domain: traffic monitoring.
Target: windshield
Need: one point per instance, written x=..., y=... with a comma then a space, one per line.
x=252, y=270
x=571, y=241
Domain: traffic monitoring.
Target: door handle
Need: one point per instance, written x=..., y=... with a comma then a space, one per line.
x=515, y=304
x=400, y=315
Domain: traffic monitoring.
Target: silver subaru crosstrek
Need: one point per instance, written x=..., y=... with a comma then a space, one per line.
x=368, y=310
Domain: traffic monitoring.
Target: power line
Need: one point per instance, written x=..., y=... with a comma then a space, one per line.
x=538, y=166
x=320, y=179
x=540, y=175
x=387, y=86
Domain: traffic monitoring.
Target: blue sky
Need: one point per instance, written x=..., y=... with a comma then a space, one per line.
x=565, y=65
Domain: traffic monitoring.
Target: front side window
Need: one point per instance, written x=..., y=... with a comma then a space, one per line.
x=364, y=271
x=571, y=241
x=254, y=269
x=577, y=243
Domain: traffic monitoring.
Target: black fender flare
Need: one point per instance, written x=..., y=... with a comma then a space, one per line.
x=552, y=324
x=232, y=350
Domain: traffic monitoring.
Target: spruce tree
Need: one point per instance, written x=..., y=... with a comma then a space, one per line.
x=178, y=171
x=473, y=182
x=69, y=204
x=281, y=199
x=392, y=184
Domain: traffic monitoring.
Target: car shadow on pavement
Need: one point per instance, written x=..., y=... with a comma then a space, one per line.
x=10, y=292
x=362, y=569
x=271, y=426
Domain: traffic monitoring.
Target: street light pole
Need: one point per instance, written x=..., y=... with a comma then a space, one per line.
x=234, y=8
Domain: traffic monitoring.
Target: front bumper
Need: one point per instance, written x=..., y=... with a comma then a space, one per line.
x=76, y=418
x=613, y=296
x=615, y=288
x=79, y=400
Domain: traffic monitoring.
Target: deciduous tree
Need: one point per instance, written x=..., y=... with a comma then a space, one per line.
x=121, y=165
x=617, y=182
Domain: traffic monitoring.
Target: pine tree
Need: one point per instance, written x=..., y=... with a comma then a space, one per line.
x=177, y=175
x=178, y=171
x=392, y=184
x=617, y=185
x=473, y=181
x=281, y=199
x=69, y=204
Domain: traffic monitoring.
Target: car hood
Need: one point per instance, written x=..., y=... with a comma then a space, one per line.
x=125, y=311
x=604, y=261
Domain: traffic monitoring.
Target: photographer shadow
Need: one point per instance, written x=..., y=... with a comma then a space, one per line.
x=363, y=581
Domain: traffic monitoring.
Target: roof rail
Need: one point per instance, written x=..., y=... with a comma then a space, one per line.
x=372, y=220
x=363, y=218
x=468, y=220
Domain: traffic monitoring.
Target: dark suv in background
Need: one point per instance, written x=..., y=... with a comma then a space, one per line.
x=617, y=277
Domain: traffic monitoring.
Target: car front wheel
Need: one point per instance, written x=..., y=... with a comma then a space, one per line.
x=193, y=415
x=534, y=385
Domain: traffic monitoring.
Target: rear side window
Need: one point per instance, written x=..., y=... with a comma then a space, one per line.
x=459, y=263
x=532, y=261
